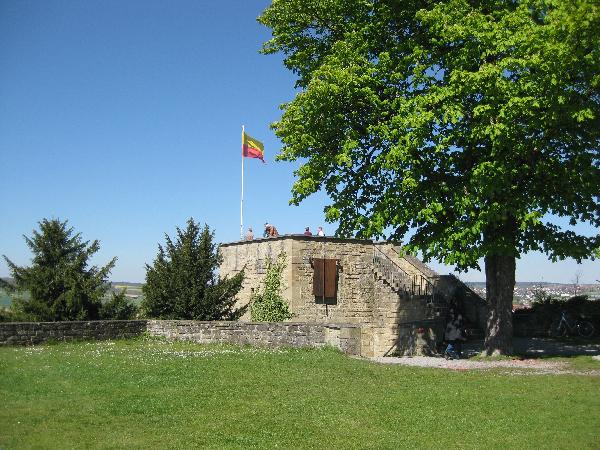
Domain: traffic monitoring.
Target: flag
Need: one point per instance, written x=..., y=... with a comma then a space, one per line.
x=251, y=148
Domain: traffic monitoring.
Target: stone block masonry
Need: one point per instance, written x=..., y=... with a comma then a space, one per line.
x=346, y=337
x=388, y=316
x=355, y=282
x=29, y=333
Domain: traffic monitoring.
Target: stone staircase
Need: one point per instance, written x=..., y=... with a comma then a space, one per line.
x=417, y=287
x=385, y=269
x=431, y=296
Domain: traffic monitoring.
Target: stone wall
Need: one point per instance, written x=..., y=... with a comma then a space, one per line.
x=527, y=324
x=355, y=284
x=397, y=318
x=252, y=257
x=355, y=300
x=27, y=333
x=354, y=303
x=389, y=319
x=346, y=337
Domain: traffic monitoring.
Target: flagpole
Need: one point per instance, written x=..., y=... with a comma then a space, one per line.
x=242, y=198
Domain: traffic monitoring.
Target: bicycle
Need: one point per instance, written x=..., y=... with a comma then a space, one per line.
x=566, y=326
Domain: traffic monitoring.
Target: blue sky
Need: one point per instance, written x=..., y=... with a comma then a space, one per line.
x=124, y=117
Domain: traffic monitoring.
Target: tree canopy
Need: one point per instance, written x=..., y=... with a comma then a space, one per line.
x=182, y=283
x=59, y=285
x=464, y=124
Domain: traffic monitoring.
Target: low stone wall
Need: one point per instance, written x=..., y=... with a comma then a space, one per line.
x=27, y=333
x=346, y=337
x=526, y=325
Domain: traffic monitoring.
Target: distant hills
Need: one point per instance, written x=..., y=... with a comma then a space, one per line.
x=132, y=290
x=525, y=284
x=132, y=285
x=126, y=283
x=114, y=283
x=524, y=290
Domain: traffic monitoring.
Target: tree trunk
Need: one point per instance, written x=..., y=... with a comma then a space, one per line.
x=500, y=285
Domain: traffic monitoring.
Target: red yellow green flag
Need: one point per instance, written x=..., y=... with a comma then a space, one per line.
x=251, y=148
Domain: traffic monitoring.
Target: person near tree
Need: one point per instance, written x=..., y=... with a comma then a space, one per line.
x=454, y=336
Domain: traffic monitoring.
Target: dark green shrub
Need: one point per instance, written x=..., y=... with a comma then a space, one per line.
x=12, y=315
x=118, y=307
x=547, y=309
x=182, y=283
x=59, y=284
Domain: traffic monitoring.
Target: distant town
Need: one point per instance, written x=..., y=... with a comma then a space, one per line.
x=525, y=292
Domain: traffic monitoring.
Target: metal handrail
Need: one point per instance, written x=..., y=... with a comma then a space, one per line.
x=413, y=285
x=391, y=271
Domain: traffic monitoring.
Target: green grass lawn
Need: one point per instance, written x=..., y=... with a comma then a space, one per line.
x=154, y=394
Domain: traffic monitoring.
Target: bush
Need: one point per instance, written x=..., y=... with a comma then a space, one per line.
x=118, y=307
x=267, y=305
x=547, y=309
x=182, y=283
x=8, y=315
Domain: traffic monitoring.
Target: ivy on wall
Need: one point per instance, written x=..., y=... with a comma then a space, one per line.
x=268, y=305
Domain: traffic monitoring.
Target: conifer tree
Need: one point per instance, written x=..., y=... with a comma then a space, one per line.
x=59, y=285
x=182, y=283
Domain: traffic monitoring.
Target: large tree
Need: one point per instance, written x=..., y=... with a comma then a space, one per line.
x=183, y=282
x=59, y=285
x=468, y=125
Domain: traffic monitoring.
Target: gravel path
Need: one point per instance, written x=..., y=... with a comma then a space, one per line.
x=529, y=347
x=526, y=366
